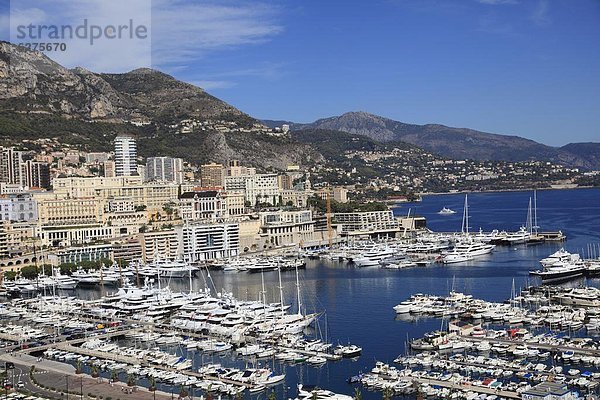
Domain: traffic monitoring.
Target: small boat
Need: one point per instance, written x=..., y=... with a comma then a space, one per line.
x=446, y=211
x=313, y=392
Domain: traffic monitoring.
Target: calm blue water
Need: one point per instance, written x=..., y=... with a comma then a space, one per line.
x=358, y=302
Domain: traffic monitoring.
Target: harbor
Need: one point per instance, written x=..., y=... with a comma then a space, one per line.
x=105, y=335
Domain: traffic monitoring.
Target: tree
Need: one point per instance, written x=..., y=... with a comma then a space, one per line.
x=387, y=393
x=29, y=272
x=131, y=380
x=94, y=371
x=169, y=209
x=10, y=275
x=114, y=376
x=357, y=394
x=140, y=208
x=183, y=393
x=78, y=367
x=152, y=382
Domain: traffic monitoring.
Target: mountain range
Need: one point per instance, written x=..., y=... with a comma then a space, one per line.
x=455, y=143
x=41, y=99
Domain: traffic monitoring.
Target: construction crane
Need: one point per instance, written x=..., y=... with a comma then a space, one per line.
x=329, y=228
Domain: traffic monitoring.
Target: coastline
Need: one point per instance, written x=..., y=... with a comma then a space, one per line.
x=504, y=190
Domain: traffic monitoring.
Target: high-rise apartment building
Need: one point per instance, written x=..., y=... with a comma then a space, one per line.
x=125, y=155
x=211, y=175
x=10, y=166
x=35, y=174
x=164, y=169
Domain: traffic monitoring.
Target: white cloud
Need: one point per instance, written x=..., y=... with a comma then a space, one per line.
x=103, y=55
x=182, y=32
x=210, y=85
x=541, y=14
x=185, y=31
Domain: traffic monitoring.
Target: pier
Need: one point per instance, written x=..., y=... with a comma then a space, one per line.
x=463, y=387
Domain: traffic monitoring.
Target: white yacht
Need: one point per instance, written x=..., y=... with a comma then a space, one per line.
x=560, y=257
x=373, y=256
x=171, y=268
x=518, y=237
x=307, y=392
x=560, y=273
x=446, y=211
x=467, y=250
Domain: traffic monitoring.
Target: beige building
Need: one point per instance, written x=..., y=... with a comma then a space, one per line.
x=236, y=203
x=287, y=227
x=109, y=169
x=211, y=175
x=160, y=244
x=153, y=195
x=57, y=210
x=340, y=194
x=296, y=198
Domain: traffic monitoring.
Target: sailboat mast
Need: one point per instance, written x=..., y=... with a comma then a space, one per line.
x=529, y=223
x=280, y=291
x=466, y=216
x=535, y=222
x=298, y=291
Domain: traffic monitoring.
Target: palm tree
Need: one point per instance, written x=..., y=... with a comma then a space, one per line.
x=357, y=394
x=183, y=393
x=95, y=373
x=130, y=380
x=152, y=382
x=78, y=367
x=114, y=376
x=387, y=393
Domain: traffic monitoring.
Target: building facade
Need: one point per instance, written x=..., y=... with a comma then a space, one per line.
x=202, y=242
x=257, y=188
x=18, y=207
x=369, y=222
x=202, y=205
x=35, y=174
x=211, y=175
x=164, y=169
x=125, y=155
x=11, y=162
x=287, y=227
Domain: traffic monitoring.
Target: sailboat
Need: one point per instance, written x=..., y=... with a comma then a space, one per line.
x=526, y=232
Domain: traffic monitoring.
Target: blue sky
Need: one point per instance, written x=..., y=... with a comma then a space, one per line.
x=523, y=67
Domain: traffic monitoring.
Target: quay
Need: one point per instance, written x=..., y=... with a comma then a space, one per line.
x=550, y=347
x=462, y=387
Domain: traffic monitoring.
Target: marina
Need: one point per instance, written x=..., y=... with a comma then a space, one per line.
x=161, y=319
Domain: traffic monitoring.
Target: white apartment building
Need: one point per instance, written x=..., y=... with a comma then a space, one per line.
x=287, y=227
x=125, y=155
x=165, y=169
x=202, y=205
x=369, y=222
x=18, y=207
x=201, y=242
x=258, y=188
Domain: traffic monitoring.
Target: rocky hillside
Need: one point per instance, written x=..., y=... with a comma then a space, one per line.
x=41, y=99
x=458, y=143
